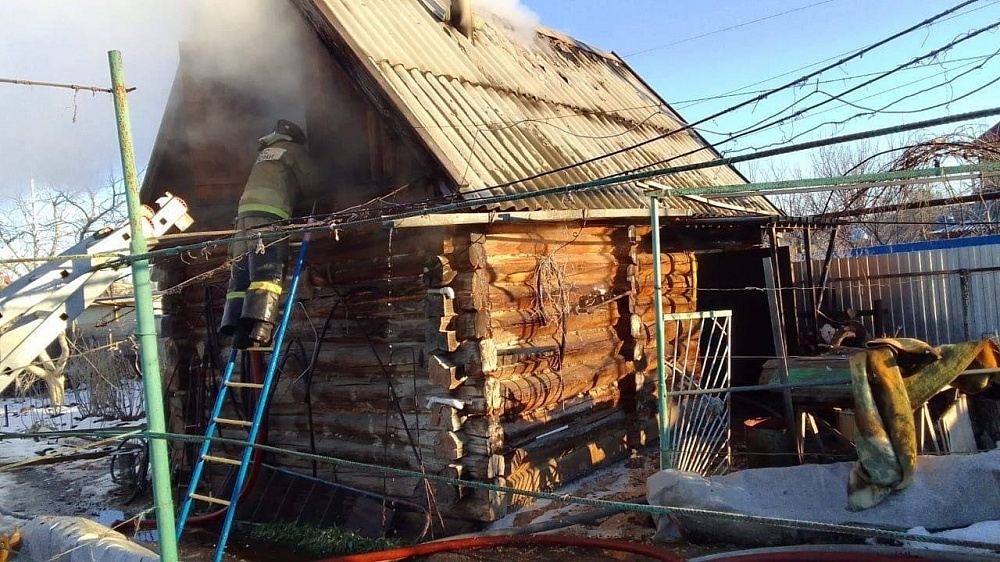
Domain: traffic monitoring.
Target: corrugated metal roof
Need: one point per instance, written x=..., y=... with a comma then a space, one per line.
x=498, y=108
x=992, y=135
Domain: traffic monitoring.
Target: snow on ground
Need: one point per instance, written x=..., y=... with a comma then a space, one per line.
x=984, y=531
x=28, y=415
x=32, y=485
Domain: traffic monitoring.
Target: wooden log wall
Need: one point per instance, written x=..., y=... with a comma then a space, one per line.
x=554, y=323
x=510, y=354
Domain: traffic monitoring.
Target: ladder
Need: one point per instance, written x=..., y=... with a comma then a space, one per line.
x=253, y=426
x=36, y=308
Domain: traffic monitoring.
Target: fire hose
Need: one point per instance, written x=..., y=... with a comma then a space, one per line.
x=472, y=543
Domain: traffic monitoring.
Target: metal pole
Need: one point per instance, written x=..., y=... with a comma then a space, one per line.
x=661, y=377
x=811, y=293
x=146, y=323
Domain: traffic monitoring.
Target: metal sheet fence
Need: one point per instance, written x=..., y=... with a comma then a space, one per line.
x=936, y=295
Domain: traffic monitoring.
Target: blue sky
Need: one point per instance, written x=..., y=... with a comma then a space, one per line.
x=685, y=67
x=66, y=139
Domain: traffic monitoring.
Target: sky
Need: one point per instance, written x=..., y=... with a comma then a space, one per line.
x=686, y=51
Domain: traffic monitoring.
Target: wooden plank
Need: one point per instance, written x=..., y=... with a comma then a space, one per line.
x=540, y=420
x=546, y=389
x=514, y=217
x=444, y=373
x=546, y=469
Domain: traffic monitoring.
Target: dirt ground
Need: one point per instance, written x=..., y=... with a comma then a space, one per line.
x=84, y=488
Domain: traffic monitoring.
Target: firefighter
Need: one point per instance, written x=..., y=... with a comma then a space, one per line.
x=282, y=170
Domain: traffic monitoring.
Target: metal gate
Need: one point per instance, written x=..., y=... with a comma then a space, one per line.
x=698, y=368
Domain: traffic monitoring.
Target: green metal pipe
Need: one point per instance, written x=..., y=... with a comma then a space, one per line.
x=614, y=180
x=839, y=181
x=661, y=369
x=146, y=323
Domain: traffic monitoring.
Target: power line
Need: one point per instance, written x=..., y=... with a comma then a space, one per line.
x=356, y=218
x=695, y=101
x=378, y=216
x=75, y=87
x=740, y=105
x=760, y=125
x=871, y=112
x=730, y=28
x=838, y=97
x=740, y=91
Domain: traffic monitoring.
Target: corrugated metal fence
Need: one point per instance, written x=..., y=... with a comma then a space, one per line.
x=939, y=294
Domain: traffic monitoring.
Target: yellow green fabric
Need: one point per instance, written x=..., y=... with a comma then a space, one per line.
x=890, y=380
x=283, y=169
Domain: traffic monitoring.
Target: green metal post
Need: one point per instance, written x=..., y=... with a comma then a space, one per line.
x=661, y=376
x=146, y=324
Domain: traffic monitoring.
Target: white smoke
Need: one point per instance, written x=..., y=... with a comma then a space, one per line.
x=511, y=15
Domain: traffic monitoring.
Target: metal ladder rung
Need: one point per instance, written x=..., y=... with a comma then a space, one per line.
x=221, y=460
x=209, y=499
x=227, y=421
x=256, y=385
x=253, y=427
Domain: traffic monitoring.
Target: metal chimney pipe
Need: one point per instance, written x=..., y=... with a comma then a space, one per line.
x=460, y=16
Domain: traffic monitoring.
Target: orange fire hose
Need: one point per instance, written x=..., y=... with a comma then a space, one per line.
x=472, y=543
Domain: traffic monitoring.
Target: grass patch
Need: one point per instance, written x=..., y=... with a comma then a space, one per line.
x=320, y=541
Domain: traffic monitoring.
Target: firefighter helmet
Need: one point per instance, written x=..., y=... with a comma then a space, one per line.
x=285, y=127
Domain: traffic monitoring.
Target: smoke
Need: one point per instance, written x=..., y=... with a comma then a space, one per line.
x=253, y=49
x=68, y=139
x=510, y=15
x=253, y=62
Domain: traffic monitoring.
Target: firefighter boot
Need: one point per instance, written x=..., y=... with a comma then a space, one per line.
x=260, y=306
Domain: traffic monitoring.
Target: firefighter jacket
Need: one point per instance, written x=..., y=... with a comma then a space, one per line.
x=282, y=170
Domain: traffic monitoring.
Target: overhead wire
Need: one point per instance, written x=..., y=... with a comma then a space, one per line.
x=817, y=91
x=745, y=103
x=729, y=28
x=761, y=125
x=332, y=222
x=742, y=89
x=684, y=104
x=867, y=112
x=360, y=216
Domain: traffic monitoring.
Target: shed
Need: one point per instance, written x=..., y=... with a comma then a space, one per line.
x=537, y=371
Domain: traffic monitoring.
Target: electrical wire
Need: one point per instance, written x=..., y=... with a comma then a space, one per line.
x=334, y=222
x=742, y=89
x=730, y=28
x=362, y=217
x=745, y=103
x=684, y=104
x=763, y=125
x=869, y=112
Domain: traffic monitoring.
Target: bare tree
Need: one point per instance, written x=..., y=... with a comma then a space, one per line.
x=903, y=224
x=46, y=221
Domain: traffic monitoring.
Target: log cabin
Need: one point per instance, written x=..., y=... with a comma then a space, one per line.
x=508, y=343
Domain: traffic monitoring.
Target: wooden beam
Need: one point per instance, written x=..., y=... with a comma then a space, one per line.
x=435, y=220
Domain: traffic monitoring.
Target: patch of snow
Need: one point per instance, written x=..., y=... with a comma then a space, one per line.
x=77, y=487
x=984, y=531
